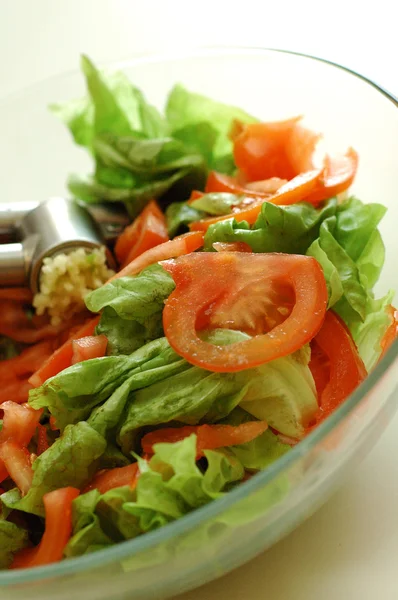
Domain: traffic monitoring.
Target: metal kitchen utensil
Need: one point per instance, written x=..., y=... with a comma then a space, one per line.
x=37, y=231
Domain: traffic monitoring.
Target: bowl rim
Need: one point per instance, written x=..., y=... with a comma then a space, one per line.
x=129, y=548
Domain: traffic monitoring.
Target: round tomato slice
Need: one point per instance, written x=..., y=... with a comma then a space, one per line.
x=281, y=298
x=336, y=365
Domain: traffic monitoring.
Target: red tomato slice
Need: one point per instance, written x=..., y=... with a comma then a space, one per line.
x=260, y=150
x=62, y=357
x=16, y=390
x=209, y=437
x=19, y=423
x=3, y=472
x=184, y=244
x=15, y=324
x=232, y=247
x=320, y=368
x=108, y=479
x=295, y=190
x=392, y=332
x=347, y=370
x=58, y=529
x=27, y=362
x=42, y=439
x=18, y=294
x=16, y=460
x=148, y=230
x=240, y=291
x=91, y=346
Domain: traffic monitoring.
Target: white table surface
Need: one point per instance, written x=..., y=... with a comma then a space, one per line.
x=349, y=549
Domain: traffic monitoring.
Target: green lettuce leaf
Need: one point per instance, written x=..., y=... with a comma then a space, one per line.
x=217, y=203
x=260, y=452
x=180, y=214
x=173, y=485
x=113, y=105
x=132, y=308
x=69, y=461
x=289, y=229
x=87, y=534
x=134, y=197
x=115, y=521
x=368, y=334
x=12, y=539
x=144, y=157
x=187, y=109
x=136, y=158
x=71, y=395
x=268, y=392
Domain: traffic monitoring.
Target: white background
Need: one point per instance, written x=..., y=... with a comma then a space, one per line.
x=349, y=549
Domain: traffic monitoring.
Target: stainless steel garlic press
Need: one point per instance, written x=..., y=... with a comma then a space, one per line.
x=30, y=232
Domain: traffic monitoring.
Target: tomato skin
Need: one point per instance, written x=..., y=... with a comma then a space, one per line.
x=90, y=346
x=148, y=230
x=58, y=529
x=19, y=423
x=109, y=479
x=293, y=191
x=183, y=244
x=209, y=437
x=207, y=281
x=16, y=460
x=346, y=367
x=260, y=150
x=337, y=176
x=232, y=247
x=42, y=440
x=319, y=366
x=62, y=357
x=16, y=390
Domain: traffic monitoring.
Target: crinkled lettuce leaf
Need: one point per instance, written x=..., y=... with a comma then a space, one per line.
x=87, y=534
x=173, y=485
x=289, y=229
x=71, y=395
x=281, y=392
x=120, y=395
x=12, y=539
x=136, y=159
x=70, y=461
x=132, y=308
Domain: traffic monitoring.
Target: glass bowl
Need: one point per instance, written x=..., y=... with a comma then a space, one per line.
x=36, y=154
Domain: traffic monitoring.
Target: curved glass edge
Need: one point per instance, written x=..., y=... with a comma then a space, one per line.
x=131, y=547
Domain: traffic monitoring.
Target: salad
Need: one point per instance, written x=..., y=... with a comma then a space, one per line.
x=242, y=314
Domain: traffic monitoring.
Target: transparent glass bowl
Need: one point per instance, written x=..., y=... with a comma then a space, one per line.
x=36, y=154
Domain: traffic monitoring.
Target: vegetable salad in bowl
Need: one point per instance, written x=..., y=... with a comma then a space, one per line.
x=242, y=315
